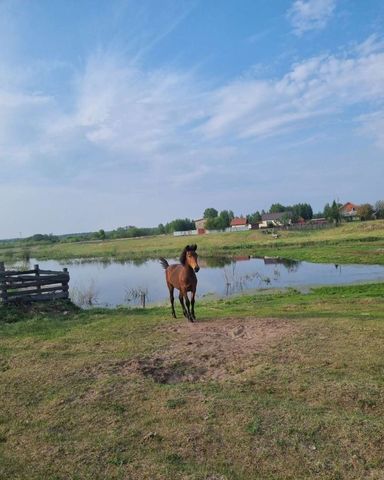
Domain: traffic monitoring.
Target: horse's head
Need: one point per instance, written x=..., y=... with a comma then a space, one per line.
x=189, y=257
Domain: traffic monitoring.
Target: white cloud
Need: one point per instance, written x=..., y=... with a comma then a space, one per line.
x=125, y=115
x=372, y=44
x=373, y=126
x=319, y=86
x=124, y=108
x=121, y=115
x=130, y=130
x=308, y=15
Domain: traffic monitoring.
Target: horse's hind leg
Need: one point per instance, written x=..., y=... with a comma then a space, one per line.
x=181, y=298
x=172, y=299
x=193, y=305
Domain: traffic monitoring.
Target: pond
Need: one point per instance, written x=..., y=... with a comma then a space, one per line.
x=110, y=283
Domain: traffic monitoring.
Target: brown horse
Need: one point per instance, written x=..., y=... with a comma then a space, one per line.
x=183, y=278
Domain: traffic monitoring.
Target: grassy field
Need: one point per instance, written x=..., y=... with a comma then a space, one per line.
x=360, y=242
x=270, y=386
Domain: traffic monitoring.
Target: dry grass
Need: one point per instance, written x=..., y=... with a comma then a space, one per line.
x=274, y=386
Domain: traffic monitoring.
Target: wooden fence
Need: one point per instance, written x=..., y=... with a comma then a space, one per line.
x=32, y=285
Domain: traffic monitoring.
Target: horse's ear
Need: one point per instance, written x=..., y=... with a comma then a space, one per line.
x=193, y=247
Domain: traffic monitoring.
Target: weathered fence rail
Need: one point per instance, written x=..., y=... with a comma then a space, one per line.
x=33, y=285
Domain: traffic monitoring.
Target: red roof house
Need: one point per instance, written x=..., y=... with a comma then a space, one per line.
x=239, y=223
x=349, y=209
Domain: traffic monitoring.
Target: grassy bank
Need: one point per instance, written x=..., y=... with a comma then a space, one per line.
x=361, y=242
x=271, y=386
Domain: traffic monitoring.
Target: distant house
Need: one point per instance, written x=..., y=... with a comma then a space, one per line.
x=318, y=221
x=275, y=219
x=240, y=223
x=349, y=211
x=200, y=225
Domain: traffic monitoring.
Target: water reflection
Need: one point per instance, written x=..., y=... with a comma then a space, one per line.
x=216, y=262
x=290, y=265
x=109, y=282
x=235, y=282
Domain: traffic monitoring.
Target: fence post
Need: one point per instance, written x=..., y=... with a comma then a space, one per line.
x=65, y=284
x=3, y=285
x=37, y=274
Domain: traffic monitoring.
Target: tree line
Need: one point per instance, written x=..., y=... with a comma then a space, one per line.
x=216, y=220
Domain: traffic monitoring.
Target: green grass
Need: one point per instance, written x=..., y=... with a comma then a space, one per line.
x=359, y=242
x=310, y=405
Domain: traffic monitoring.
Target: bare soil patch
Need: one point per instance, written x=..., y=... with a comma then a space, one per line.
x=211, y=350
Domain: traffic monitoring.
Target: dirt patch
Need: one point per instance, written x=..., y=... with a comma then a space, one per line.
x=169, y=372
x=210, y=350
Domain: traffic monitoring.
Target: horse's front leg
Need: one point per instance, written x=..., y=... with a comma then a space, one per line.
x=193, y=304
x=188, y=303
x=181, y=298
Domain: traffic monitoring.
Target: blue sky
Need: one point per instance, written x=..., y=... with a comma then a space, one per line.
x=126, y=112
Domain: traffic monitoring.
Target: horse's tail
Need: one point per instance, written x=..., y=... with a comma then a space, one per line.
x=164, y=263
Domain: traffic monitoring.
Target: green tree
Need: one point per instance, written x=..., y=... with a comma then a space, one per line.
x=332, y=212
x=254, y=218
x=210, y=213
x=40, y=237
x=212, y=223
x=101, y=234
x=225, y=218
x=303, y=210
x=335, y=212
x=277, y=208
x=379, y=209
x=327, y=211
x=365, y=211
x=287, y=218
x=179, y=225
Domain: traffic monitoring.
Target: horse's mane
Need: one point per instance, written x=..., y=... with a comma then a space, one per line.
x=183, y=255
